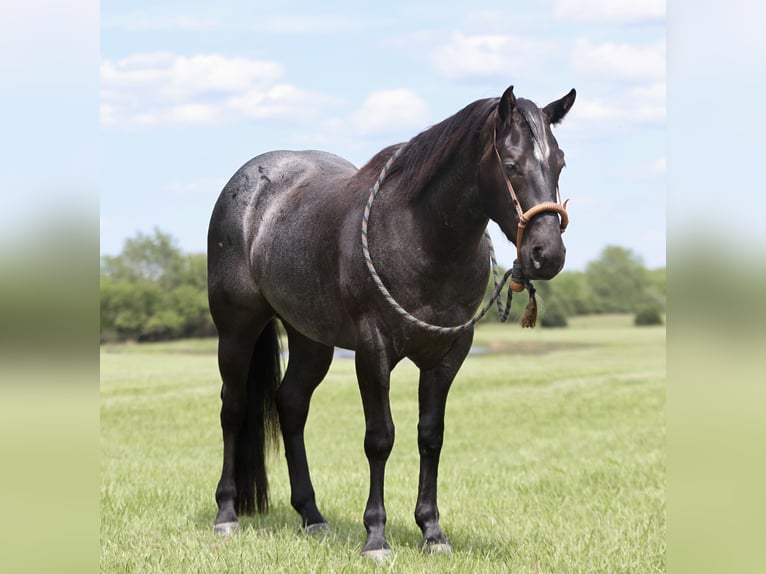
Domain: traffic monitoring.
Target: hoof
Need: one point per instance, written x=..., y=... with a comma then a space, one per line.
x=226, y=528
x=441, y=548
x=317, y=529
x=380, y=555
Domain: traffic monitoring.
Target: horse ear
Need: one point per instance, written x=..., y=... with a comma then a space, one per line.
x=555, y=111
x=507, y=103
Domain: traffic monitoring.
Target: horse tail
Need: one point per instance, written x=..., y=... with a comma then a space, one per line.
x=260, y=429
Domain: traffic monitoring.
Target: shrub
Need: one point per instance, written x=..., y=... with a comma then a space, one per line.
x=553, y=318
x=651, y=315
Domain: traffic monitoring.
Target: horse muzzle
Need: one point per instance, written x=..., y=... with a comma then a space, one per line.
x=541, y=250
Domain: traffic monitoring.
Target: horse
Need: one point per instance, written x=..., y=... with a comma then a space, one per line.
x=284, y=244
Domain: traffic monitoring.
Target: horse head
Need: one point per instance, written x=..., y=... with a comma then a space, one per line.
x=518, y=180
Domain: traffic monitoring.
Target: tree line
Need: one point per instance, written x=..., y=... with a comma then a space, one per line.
x=153, y=291
x=616, y=282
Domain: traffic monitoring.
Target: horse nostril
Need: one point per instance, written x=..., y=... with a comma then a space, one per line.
x=537, y=256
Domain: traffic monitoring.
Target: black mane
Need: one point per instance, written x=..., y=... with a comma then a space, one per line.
x=426, y=154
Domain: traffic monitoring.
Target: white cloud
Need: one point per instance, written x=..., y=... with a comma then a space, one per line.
x=166, y=88
x=629, y=107
x=625, y=61
x=612, y=11
x=48, y=37
x=488, y=55
x=193, y=114
x=627, y=84
x=312, y=24
x=389, y=111
x=279, y=101
x=655, y=91
x=159, y=17
x=648, y=101
x=176, y=77
x=594, y=110
x=643, y=104
x=178, y=22
x=643, y=171
x=658, y=166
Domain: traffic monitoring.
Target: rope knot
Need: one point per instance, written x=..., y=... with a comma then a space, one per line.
x=518, y=279
x=518, y=283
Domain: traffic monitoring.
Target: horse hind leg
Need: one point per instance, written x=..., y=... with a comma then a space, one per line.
x=306, y=368
x=248, y=358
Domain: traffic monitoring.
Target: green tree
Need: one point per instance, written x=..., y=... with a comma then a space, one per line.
x=657, y=289
x=553, y=309
x=154, y=258
x=152, y=291
x=193, y=271
x=127, y=307
x=618, y=280
x=573, y=292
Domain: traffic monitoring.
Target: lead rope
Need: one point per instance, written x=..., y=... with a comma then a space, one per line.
x=499, y=283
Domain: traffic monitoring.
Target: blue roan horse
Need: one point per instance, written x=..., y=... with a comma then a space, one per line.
x=284, y=243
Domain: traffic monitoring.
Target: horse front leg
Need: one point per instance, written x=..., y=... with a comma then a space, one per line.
x=374, y=374
x=432, y=398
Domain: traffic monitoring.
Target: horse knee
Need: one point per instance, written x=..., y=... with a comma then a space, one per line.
x=430, y=439
x=378, y=443
x=232, y=411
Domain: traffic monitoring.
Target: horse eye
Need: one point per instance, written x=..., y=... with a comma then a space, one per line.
x=510, y=167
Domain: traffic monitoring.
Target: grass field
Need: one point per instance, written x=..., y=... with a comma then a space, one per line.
x=554, y=461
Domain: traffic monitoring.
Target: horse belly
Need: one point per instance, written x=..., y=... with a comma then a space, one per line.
x=301, y=285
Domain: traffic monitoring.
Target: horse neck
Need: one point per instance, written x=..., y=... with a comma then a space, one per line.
x=449, y=205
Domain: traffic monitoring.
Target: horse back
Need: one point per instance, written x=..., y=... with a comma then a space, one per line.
x=255, y=186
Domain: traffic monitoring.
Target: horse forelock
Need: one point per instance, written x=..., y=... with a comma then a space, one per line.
x=533, y=117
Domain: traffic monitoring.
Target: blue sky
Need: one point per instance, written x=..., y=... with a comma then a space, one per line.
x=190, y=91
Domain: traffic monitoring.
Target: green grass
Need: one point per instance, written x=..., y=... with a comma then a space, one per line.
x=554, y=461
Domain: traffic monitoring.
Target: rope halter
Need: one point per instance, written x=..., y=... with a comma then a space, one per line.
x=518, y=280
